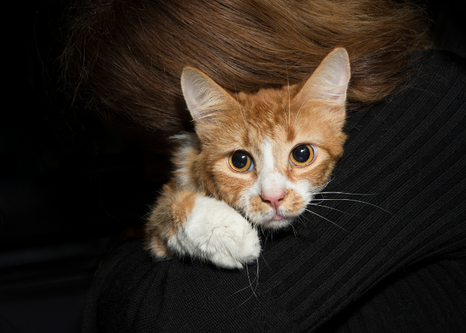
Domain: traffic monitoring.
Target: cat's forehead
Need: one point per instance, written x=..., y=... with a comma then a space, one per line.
x=271, y=101
x=272, y=117
x=266, y=111
x=276, y=115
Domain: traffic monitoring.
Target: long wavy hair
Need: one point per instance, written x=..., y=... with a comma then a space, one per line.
x=124, y=58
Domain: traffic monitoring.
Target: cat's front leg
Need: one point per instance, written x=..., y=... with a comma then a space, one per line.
x=189, y=223
x=216, y=232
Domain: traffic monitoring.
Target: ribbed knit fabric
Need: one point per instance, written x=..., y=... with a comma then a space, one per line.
x=384, y=249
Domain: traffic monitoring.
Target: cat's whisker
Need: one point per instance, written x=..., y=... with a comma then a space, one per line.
x=250, y=286
x=246, y=300
x=289, y=97
x=322, y=187
x=240, y=290
x=265, y=262
x=257, y=270
x=300, y=220
x=326, y=219
x=354, y=200
x=287, y=123
x=203, y=117
x=265, y=242
x=257, y=277
x=241, y=110
x=296, y=118
x=243, y=289
x=348, y=193
x=294, y=230
x=264, y=231
x=331, y=208
x=253, y=289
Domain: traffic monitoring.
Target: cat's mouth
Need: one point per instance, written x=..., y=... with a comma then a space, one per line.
x=274, y=219
x=277, y=222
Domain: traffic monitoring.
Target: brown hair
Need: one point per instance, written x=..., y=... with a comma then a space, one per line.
x=124, y=58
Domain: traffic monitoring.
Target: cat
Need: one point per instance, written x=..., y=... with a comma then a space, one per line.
x=254, y=161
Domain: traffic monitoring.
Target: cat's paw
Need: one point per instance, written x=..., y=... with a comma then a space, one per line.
x=216, y=232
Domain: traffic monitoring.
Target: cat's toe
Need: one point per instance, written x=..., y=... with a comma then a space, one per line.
x=234, y=244
x=251, y=247
x=217, y=233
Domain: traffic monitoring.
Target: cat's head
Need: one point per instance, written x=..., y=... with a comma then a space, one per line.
x=266, y=154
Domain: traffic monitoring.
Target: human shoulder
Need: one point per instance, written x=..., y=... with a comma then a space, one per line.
x=438, y=67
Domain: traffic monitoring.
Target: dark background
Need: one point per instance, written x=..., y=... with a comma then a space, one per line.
x=69, y=185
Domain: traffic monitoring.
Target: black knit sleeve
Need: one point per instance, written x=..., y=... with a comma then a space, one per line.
x=382, y=249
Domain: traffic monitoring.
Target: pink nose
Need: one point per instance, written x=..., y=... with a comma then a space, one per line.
x=274, y=199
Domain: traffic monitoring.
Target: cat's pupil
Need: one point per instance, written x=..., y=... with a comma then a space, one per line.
x=301, y=154
x=239, y=159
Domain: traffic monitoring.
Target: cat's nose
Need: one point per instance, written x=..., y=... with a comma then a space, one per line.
x=274, y=199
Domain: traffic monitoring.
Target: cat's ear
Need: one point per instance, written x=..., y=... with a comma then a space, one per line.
x=329, y=82
x=205, y=99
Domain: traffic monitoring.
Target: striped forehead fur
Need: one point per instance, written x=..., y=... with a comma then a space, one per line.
x=267, y=126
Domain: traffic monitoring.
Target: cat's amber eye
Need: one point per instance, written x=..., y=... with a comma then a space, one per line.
x=302, y=155
x=240, y=161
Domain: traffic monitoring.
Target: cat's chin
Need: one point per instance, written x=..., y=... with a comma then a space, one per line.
x=272, y=221
x=277, y=222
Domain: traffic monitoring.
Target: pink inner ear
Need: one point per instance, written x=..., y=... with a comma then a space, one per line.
x=203, y=96
x=330, y=79
x=195, y=90
x=338, y=93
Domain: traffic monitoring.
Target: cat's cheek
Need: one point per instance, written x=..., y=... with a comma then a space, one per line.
x=296, y=202
x=257, y=206
x=315, y=176
x=229, y=185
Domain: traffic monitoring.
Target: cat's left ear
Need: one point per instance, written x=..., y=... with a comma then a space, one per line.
x=205, y=99
x=329, y=82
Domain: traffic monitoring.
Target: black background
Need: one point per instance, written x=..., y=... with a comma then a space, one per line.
x=69, y=184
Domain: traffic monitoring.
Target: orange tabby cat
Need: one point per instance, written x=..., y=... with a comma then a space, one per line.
x=256, y=160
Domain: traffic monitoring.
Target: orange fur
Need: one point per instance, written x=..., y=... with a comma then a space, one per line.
x=267, y=125
x=171, y=211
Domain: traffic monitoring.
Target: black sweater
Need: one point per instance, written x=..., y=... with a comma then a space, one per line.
x=386, y=255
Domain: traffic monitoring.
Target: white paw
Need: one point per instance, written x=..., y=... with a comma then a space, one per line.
x=216, y=232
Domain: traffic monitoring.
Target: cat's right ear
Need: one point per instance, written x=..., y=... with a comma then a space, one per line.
x=205, y=99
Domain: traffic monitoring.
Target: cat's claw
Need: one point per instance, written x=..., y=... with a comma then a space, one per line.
x=216, y=232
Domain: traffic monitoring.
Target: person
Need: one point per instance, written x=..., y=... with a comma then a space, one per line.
x=382, y=249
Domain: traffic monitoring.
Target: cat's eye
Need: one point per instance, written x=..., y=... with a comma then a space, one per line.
x=240, y=161
x=302, y=155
